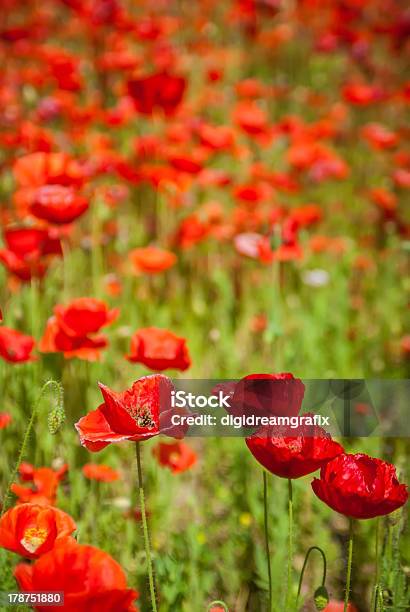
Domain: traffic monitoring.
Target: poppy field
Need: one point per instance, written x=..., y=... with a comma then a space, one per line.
x=210, y=193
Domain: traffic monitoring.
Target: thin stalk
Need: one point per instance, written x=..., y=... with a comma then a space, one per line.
x=349, y=565
x=374, y=603
x=290, y=545
x=145, y=530
x=311, y=549
x=265, y=519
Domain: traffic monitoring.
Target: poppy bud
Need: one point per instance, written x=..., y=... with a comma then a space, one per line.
x=321, y=598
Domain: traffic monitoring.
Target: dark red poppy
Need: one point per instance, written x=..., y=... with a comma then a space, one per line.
x=28, y=251
x=45, y=483
x=159, y=349
x=89, y=578
x=162, y=91
x=177, y=456
x=57, y=204
x=101, y=473
x=306, y=450
x=360, y=486
x=139, y=413
x=15, y=347
x=31, y=530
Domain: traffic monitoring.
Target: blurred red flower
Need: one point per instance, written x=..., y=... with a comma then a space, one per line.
x=159, y=349
x=38, y=169
x=360, y=486
x=73, y=327
x=57, y=204
x=15, y=347
x=90, y=579
x=5, y=419
x=162, y=91
x=102, y=473
x=338, y=606
x=177, y=456
x=138, y=413
x=31, y=530
x=152, y=259
x=304, y=452
x=28, y=251
x=45, y=483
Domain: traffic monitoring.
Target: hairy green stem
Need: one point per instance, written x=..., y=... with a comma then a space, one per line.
x=349, y=565
x=145, y=530
x=290, y=545
x=374, y=603
x=265, y=519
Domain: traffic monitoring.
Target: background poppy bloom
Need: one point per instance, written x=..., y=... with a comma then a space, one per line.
x=138, y=413
x=159, y=349
x=31, y=530
x=5, y=419
x=102, y=473
x=28, y=251
x=293, y=456
x=268, y=394
x=162, y=90
x=177, y=456
x=57, y=204
x=15, y=347
x=152, y=259
x=45, y=483
x=73, y=327
x=338, y=606
x=360, y=486
x=90, y=579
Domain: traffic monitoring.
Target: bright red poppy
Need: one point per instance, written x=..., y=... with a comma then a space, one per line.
x=338, y=606
x=5, y=420
x=57, y=204
x=28, y=251
x=162, y=91
x=38, y=169
x=73, y=328
x=136, y=414
x=159, y=349
x=177, y=456
x=100, y=472
x=90, y=579
x=45, y=483
x=152, y=260
x=31, y=530
x=16, y=347
x=360, y=486
x=293, y=453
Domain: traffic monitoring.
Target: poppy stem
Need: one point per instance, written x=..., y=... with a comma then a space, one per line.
x=290, y=545
x=311, y=549
x=374, y=603
x=145, y=530
x=349, y=565
x=265, y=507
x=55, y=420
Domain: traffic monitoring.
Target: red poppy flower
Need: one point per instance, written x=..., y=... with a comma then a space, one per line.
x=152, y=259
x=38, y=169
x=102, y=473
x=28, y=251
x=57, y=204
x=177, y=456
x=360, y=486
x=139, y=413
x=293, y=456
x=15, y=347
x=45, y=483
x=5, y=420
x=162, y=90
x=159, y=349
x=73, y=327
x=31, y=530
x=267, y=394
x=89, y=578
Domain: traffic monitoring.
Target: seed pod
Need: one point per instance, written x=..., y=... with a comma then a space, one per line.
x=321, y=598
